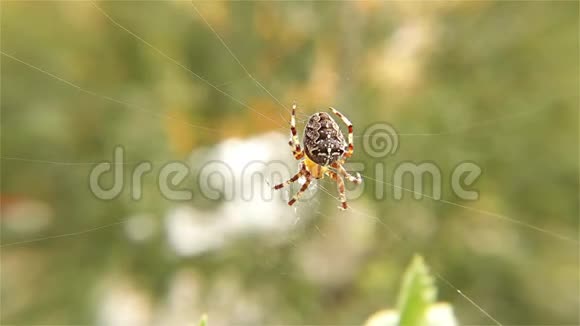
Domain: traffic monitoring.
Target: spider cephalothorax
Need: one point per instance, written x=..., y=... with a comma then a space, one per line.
x=325, y=150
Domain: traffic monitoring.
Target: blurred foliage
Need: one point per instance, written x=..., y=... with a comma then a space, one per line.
x=495, y=83
x=417, y=297
x=203, y=320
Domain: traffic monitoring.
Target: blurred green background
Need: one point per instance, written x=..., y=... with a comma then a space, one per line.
x=495, y=83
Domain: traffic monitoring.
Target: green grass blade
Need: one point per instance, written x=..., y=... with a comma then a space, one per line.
x=418, y=292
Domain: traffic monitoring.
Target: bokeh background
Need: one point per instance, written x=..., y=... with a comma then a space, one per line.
x=495, y=83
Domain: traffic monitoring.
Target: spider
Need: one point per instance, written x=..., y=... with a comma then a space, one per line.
x=325, y=150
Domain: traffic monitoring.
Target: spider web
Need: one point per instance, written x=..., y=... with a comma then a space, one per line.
x=305, y=208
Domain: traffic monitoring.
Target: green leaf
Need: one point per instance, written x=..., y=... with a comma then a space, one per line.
x=417, y=294
x=203, y=320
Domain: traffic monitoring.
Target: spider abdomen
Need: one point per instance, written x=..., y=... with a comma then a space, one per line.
x=324, y=143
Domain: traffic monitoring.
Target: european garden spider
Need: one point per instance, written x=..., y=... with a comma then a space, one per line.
x=325, y=150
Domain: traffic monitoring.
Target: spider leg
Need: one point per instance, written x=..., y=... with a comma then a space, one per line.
x=298, y=155
x=294, y=140
x=295, y=177
x=350, y=148
x=342, y=171
x=340, y=186
x=302, y=189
